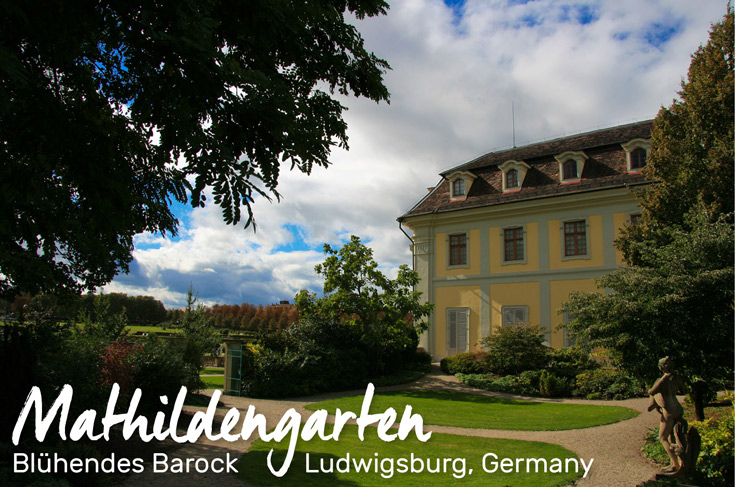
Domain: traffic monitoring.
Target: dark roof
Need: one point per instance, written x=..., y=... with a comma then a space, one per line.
x=605, y=168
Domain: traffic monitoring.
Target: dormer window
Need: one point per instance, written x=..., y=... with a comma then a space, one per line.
x=514, y=172
x=571, y=165
x=511, y=179
x=638, y=159
x=636, y=154
x=460, y=183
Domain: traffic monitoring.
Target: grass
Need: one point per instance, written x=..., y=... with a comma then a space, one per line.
x=253, y=468
x=213, y=382
x=150, y=329
x=449, y=408
x=213, y=370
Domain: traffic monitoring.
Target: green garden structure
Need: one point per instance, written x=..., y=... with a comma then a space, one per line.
x=233, y=363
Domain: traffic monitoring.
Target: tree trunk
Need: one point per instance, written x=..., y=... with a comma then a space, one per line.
x=699, y=389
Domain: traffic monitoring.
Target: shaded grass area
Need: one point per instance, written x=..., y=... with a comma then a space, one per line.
x=213, y=370
x=450, y=408
x=457, y=456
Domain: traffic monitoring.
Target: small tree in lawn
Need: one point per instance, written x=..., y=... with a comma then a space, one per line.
x=388, y=312
x=198, y=331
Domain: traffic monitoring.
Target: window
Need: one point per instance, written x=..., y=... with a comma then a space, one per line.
x=571, y=166
x=458, y=249
x=638, y=159
x=514, y=314
x=513, y=173
x=575, y=238
x=511, y=179
x=457, y=330
x=513, y=244
x=635, y=218
x=570, y=170
x=636, y=152
x=458, y=187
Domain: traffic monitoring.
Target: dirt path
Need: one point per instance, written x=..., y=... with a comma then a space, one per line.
x=615, y=448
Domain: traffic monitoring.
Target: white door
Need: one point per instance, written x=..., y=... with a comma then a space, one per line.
x=457, y=330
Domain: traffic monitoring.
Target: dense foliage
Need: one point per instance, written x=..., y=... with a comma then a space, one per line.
x=246, y=316
x=716, y=464
x=111, y=110
x=676, y=296
x=387, y=313
x=564, y=372
x=514, y=349
x=138, y=309
x=365, y=326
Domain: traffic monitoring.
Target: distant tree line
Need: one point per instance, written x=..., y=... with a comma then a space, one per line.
x=147, y=310
x=138, y=309
x=246, y=317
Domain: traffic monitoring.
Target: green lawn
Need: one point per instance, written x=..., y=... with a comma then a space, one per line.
x=213, y=370
x=449, y=449
x=214, y=382
x=150, y=329
x=449, y=408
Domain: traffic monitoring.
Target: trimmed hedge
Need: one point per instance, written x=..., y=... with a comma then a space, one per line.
x=465, y=363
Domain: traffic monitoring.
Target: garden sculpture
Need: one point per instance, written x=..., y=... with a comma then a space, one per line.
x=681, y=444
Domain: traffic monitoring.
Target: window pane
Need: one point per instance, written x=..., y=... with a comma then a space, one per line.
x=570, y=169
x=575, y=238
x=452, y=330
x=638, y=159
x=457, y=249
x=511, y=179
x=513, y=242
x=461, y=330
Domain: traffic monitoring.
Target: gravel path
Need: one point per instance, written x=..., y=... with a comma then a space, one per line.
x=615, y=448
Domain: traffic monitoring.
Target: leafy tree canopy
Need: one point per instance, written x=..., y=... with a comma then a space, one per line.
x=676, y=297
x=692, y=140
x=112, y=110
x=388, y=311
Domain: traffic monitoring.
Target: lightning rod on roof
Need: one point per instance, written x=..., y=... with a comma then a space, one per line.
x=513, y=114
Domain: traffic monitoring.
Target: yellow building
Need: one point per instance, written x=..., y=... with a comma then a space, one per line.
x=506, y=237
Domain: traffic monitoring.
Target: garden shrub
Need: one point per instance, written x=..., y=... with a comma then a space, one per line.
x=716, y=456
x=422, y=360
x=310, y=357
x=514, y=349
x=607, y=383
x=569, y=362
x=464, y=363
x=158, y=370
x=552, y=386
x=715, y=462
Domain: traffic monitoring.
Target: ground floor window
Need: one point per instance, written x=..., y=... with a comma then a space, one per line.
x=457, y=330
x=514, y=314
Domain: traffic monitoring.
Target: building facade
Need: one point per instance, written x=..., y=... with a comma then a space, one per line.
x=507, y=237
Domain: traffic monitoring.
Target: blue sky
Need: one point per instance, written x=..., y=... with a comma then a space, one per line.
x=457, y=67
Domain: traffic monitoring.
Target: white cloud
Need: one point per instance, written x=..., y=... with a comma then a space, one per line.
x=566, y=67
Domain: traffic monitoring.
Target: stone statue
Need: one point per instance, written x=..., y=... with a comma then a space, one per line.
x=681, y=444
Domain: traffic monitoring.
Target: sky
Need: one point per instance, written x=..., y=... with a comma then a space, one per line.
x=462, y=71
